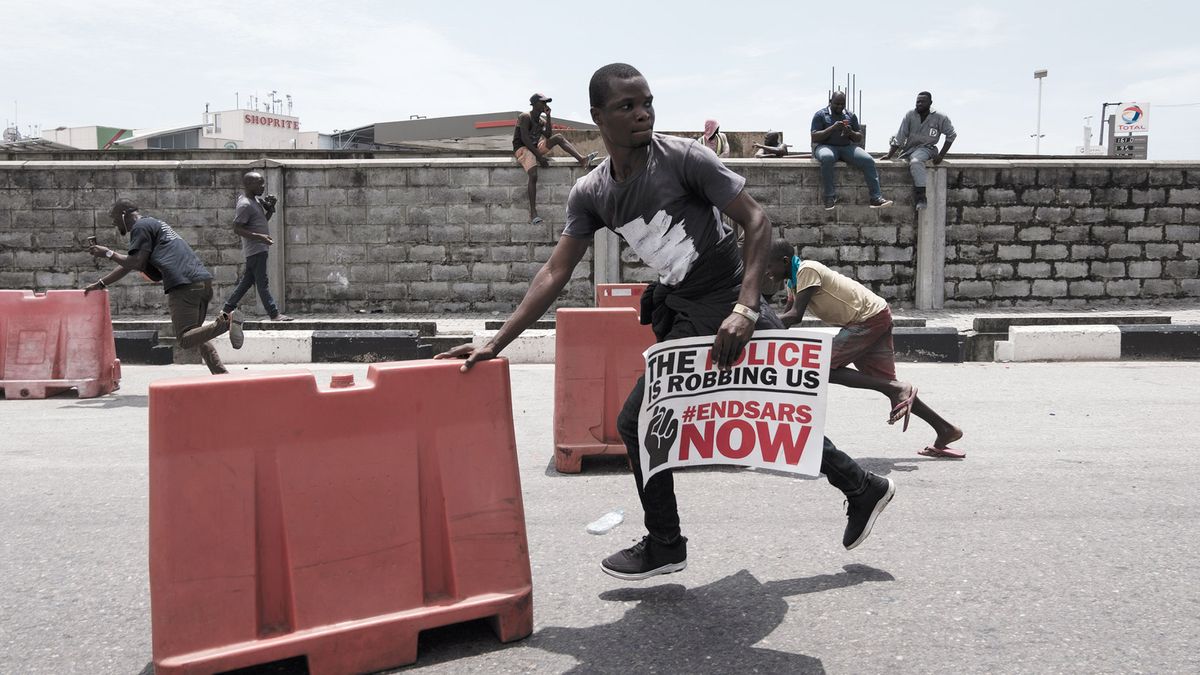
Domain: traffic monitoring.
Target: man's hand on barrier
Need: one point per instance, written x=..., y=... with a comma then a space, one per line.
x=661, y=434
x=94, y=286
x=733, y=335
x=472, y=355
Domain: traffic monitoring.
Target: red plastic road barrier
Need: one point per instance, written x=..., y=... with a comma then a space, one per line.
x=597, y=360
x=333, y=524
x=57, y=341
x=620, y=295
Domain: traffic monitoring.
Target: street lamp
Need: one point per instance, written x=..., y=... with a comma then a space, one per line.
x=1039, y=75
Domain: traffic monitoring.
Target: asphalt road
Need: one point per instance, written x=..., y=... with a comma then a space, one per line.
x=1065, y=542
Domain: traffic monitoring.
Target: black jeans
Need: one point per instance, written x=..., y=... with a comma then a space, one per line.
x=658, y=495
x=255, y=275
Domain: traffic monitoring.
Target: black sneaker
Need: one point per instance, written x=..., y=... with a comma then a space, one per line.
x=830, y=203
x=863, y=509
x=880, y=202
x=645, y=559
x=236, y=336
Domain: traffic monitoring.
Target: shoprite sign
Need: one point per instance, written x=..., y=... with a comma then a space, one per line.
x=268, y=121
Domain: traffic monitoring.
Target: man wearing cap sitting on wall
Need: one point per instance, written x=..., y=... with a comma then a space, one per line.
x=532, y=141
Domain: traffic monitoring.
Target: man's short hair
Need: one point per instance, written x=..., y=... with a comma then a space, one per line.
x=925, y=93
x=781, y=249
x=773, y=138
x=122, y=205
x=598, y=88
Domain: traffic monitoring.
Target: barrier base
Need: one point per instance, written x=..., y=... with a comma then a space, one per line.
x=89, y=388
x=369, y=645
x=568, y=458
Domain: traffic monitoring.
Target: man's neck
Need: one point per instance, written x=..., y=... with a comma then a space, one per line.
x=626, y=162
x=924, y=114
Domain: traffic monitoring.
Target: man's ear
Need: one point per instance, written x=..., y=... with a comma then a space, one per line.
x=595, y=116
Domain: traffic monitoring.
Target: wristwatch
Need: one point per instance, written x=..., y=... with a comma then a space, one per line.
x=109, y=253
x=745, y=311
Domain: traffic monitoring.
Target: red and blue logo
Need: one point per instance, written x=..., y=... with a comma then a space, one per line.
x=1131, y=115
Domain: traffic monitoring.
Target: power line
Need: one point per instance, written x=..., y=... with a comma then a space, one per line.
x=1175, y=105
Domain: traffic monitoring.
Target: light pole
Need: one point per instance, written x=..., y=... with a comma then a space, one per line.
x=1039, y=75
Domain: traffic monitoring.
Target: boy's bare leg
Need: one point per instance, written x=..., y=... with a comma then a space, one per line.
x=531, y=191
x=897, y=391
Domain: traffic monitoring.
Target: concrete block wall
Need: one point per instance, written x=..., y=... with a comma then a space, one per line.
x=48, y=209
x=447, y=235
x=1071, y=234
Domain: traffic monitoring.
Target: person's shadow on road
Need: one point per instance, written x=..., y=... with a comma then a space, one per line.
x=674, y=629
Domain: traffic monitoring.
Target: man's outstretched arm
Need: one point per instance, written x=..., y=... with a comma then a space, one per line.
x=543, y=290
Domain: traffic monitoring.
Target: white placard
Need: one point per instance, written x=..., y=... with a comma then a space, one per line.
x=768, y=411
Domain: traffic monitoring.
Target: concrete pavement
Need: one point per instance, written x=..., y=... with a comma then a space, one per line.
x=1063, y=543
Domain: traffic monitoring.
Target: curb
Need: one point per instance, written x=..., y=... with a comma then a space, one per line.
x=1100, y=343
x=281, y=346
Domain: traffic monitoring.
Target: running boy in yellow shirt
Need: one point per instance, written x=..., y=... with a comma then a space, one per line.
x=864, y=341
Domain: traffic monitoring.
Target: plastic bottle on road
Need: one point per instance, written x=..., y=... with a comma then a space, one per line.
x=604, y=524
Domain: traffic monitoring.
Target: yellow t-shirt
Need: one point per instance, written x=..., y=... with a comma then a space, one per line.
x=838, y=300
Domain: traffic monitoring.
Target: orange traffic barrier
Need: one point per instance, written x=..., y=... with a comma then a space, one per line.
x=57, y=341
x=597, y=360
x=619, y=295
x=335, y=524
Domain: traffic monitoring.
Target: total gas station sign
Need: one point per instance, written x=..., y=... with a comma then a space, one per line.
x=1132, y=118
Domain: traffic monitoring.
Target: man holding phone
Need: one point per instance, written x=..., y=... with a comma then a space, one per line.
x=250, y=217
x=157, y=251
x=836, y=135
x=533, y=139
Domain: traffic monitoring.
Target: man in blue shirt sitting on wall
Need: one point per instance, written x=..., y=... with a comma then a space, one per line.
x=835, y=135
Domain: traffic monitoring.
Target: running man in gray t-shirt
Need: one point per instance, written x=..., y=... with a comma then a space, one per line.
x=250, y=217
x=665, y=196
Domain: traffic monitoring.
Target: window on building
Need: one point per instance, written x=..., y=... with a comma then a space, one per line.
x=183, y=140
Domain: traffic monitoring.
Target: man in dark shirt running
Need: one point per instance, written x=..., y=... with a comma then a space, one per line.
x=664, y=196
x=162, y=255
x=533, y=139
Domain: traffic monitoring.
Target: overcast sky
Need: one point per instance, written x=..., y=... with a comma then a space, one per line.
x=751, y=65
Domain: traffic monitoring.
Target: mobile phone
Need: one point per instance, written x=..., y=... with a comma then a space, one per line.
x=91, y=241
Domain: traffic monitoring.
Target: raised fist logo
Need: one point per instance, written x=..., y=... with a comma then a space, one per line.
x=660, y=437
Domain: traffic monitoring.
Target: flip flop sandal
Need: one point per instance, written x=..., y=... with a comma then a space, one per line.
x=906, y=405
x=944, y=453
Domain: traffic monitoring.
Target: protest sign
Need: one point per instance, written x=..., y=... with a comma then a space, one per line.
x=767, y=411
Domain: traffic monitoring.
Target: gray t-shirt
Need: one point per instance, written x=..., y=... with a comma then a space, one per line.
x=251, y=215
x=669, y=213
x=169, y=253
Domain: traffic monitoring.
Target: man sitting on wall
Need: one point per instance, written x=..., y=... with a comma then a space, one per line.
x=533, y=139
x=917, y=142
x=835, y=135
